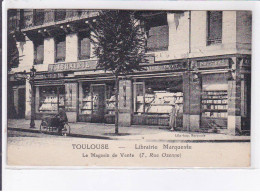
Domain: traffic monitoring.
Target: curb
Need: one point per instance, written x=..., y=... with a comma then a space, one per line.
x=57, y=134
x=114, y=138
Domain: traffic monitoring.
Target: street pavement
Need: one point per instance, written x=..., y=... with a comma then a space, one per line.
x=144, y=133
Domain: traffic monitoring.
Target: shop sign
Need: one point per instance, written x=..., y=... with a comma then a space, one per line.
x=49, y=76
x=78, y=73
x=174, y=66
x=215, y=63
x=81, y=65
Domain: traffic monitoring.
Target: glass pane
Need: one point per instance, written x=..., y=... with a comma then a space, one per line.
x=48, y=99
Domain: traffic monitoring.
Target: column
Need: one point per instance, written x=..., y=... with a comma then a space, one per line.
x=186, y=101
x=192, y=101
x=28, y=100
x=72, y=47
x=125, y=102
x=26, y=53
x=234, y=100
x=49, y=51
x=37, y=100
x=15, y=100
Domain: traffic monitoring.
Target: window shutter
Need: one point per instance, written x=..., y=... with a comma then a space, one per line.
x=214, y=26
x=158, y=38
x=84, y=45
x=61, y=51
x=39, y=54
x=85, y=48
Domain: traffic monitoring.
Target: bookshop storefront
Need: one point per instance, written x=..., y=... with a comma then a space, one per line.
x=207, y=96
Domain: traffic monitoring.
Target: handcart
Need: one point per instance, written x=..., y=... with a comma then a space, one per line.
x=52, y=124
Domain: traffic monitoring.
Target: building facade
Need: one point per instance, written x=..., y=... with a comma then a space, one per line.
x=199, y=62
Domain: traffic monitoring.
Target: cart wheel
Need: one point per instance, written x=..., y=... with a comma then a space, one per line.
x=43, y=126
x=66, y=129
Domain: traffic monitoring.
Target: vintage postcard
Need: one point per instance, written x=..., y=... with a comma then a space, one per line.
x=128, y=88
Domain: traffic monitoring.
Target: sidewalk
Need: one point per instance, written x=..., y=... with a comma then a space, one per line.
x=147, y=133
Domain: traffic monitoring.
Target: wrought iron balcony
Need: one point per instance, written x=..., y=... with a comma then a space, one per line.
x=37, y=18
x=14, y=24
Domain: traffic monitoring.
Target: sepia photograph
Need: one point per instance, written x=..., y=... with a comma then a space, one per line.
x=128, y=88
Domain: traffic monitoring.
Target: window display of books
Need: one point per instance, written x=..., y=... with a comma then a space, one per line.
x=86, y=104
x=160, y=102
x=110, y=105
x=61, y=100
x=50, y=103
x=214, y=104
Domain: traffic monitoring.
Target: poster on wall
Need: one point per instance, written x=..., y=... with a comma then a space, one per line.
x=188, y=107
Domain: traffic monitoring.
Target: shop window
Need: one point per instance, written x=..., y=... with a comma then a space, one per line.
x=84, y=45
x=214, y=19
x=157, y=31
x=110, y=99
x=51, y=98
x=90, y=99
x=38, y=51
x=158, y=98
x=214, y=96
x=60, y=44
x=87, y=100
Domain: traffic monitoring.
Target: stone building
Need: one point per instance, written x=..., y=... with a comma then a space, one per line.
x=199, y=62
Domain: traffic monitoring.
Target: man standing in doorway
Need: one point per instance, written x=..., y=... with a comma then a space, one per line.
x=173, y=118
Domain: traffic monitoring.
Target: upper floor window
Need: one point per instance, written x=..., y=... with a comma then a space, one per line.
x=60, y=48
x=38, y=16
x=38, y=51
x=60, y=14
x=157, y=30
x=214, y=35
x=84, y=45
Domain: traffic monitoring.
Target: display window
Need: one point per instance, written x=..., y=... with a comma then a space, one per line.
x=86, y=100
x=51, y=98
x=159, y=98
x=91, y=100
x=110, y=99
x=214, y=96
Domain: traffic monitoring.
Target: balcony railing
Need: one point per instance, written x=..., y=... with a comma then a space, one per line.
x=41, y=17
x=14, y=24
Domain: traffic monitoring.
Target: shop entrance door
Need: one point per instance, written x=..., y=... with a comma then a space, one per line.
x=21, y=103
x=98, y=103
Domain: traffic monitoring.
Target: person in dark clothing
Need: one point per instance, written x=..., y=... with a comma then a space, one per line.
x=62, y=119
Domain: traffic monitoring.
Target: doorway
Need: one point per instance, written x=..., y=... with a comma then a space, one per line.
x=98, y=97
x=21, y=103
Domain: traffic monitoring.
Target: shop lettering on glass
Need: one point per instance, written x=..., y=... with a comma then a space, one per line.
x=82, y=65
